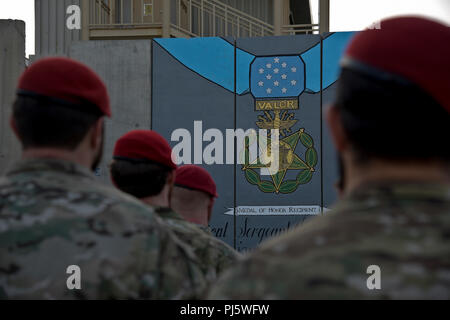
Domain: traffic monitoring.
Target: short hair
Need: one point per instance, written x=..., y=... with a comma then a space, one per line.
x=44, y=122
x=390, y=119
x=139, y=178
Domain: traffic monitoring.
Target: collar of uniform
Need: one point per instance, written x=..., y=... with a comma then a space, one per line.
x=167, y=213
x=45, y=164
x=405, y=190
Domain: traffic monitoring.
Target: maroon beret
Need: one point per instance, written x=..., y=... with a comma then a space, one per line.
x=412, y=48
x=144, y=145
x=196, y=178
x=66, y=80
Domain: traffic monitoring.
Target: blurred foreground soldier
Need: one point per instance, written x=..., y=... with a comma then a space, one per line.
x=143, y=167
x=194, y=194
x=64, y=235
x=389, y=237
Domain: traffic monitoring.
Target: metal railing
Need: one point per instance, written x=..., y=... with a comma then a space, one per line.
x=301, y=29
x=118, y=14
x=192, y=18
x=208, y=18
x=99, y=12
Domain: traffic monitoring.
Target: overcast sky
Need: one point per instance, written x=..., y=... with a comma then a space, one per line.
x=345, y=15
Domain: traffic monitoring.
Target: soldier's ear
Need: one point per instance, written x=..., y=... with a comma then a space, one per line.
x=97, y=133
x=171, y=178
x=334, y=122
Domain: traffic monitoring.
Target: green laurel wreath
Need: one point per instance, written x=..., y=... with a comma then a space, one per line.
x=288, y=186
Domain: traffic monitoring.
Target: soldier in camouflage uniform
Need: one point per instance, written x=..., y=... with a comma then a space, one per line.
x=389, y=236
x=54, y=214
x=143, y=167
x=214, y=255
x=193, y=199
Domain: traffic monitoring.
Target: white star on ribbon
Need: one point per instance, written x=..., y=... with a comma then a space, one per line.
x=269, y=90
x=293, y=82
x=261, y=84
x=294, y=69
x=269, y=77
x=277, y=60
x=284, y=90
x=276, y=83
x=268, y=66
x=261, y=70
x=276, y=70
x=284, y=64
x=284, y=77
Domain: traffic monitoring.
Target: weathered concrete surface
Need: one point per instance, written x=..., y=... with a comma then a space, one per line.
x=12, y=64
x=125, y=66
x=53, y=38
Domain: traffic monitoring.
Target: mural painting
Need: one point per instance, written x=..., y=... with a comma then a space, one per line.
x=279, y=84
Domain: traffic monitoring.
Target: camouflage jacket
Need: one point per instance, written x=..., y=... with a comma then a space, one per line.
x=214, y=255
x=55, y=214
x=206, y=229
x=403, y=228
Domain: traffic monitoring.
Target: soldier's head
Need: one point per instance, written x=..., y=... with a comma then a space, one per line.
x=143, y=167
x=393, y=98
x=194, y=194
x=59, y=111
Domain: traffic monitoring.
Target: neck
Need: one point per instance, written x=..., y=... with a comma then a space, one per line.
x=75, y=156
x=382, y=171
x=197, y=217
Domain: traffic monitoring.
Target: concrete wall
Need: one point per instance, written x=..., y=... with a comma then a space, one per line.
x=52, y=35
x=125, y=66
x=12, y=64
